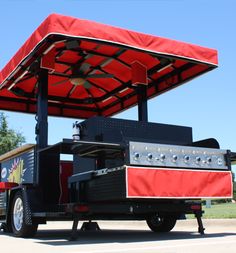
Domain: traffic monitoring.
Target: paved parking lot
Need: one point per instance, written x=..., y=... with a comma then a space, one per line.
x=116, y=237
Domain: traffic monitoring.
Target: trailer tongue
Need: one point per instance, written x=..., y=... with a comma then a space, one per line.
x=121, y=169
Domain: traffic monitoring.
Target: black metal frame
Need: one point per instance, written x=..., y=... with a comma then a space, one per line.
x=42, y=110
x=78, y=103
x=142, y=103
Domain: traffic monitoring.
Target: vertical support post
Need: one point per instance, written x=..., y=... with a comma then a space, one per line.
x=198, y=215
x=74, y=234
x=142, y=103
x=42, y=110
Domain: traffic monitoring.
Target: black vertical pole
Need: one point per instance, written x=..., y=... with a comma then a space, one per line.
x=142, y=103
x=42, y=110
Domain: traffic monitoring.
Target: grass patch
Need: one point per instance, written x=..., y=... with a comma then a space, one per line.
x=219, y=211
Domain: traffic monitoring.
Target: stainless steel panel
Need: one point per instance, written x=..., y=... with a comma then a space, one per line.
x=151, y=154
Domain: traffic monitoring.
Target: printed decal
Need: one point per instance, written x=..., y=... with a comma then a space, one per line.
x=17, y=171
x=3, y=173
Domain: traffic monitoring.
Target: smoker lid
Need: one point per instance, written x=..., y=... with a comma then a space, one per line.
x=92, y=67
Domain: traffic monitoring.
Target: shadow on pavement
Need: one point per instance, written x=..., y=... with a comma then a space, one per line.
x=60, y=237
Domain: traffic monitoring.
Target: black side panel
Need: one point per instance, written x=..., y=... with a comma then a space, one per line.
x=110, y=187
x=117, y=130
x=81, y=164
x=48, y=174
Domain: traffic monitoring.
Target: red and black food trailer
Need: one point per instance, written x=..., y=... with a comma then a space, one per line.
x=121, y=169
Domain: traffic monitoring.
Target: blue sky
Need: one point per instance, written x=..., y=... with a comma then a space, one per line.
x=207, y=104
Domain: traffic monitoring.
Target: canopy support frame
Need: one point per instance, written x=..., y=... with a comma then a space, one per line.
x=142, y=103
x=42, y=110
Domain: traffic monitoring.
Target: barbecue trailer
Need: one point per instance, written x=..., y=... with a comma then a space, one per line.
x=121, y=169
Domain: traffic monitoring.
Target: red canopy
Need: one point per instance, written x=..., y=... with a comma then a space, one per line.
x=91, y=67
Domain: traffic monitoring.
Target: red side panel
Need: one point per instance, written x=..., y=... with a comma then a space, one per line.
x=177, y=183
x=66, y=169
x=6, y=186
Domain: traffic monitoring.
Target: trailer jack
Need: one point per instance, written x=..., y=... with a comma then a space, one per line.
x=201, y=229
x=90, y=226
x=87, y=226
x=74, y=234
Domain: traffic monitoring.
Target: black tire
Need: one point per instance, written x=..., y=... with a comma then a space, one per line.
x=19, y=227
x=161, y=224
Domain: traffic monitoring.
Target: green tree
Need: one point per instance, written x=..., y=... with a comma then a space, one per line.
x=9, y=139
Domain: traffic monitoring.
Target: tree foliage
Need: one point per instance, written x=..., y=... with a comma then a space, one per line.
x=9, y=139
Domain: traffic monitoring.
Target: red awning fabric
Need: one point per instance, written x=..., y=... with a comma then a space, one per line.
x=91, y=67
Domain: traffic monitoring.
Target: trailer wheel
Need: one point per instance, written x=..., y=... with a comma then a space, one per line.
x=19, y=227
x=161, y=224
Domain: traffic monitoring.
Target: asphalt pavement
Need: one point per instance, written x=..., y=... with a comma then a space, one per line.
x=119, y=237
